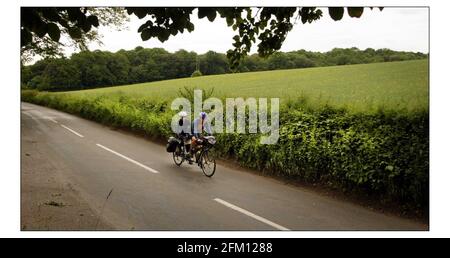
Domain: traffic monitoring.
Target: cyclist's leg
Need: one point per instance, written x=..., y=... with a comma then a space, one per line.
x=187, y=143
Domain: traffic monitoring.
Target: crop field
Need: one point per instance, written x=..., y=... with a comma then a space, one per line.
x=393, y=85
x=357, y=127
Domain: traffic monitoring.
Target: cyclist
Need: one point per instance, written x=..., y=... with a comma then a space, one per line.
x=184, y=135
x=199, y=125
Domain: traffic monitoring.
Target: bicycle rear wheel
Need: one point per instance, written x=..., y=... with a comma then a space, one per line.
x=177, y=156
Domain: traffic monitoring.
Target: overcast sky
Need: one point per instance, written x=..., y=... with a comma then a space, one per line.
x=395, y=28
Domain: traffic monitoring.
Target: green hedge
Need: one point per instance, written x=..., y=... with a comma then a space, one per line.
x=383, y=154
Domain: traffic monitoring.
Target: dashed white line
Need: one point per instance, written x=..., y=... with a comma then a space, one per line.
x=29, y=115
x=72, y=131
x=250, y=214
x=48, y=118
x=53, y=120
x=129, y=159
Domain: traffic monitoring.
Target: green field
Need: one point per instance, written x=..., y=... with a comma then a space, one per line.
x=393, y=85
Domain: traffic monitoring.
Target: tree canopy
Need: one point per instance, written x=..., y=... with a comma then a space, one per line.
x=42, y=28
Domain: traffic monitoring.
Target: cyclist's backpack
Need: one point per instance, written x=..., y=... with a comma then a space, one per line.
x=172, y=144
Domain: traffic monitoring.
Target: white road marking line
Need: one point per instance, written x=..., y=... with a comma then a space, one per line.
x=72, y=131
x=129, y=159
x=48, y=118
x=29, y=115
x=246, y=212
x=53, y=120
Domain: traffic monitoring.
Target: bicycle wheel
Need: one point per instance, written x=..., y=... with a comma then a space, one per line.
x=208, y=164
x=177, y=156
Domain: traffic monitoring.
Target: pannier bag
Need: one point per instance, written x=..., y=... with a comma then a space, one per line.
x=171, y=144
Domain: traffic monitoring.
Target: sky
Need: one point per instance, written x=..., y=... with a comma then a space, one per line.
x=402, y=29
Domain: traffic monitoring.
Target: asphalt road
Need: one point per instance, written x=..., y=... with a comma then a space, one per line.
x=149, y=192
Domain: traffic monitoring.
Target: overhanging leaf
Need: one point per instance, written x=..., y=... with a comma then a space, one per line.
x=355, y=12
x=212, y=15
x=336, y=13
x=40, y=29
x=25, y=37
x=93, y=20
x=146, y=34
x=202, y=12
x=75, y=32
x=54, y=32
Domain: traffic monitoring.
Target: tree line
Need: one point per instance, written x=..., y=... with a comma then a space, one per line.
x=93, y=69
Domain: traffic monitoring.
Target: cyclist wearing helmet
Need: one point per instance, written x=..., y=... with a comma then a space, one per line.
x=183, y=123
x=199, y=125
x=185, y=132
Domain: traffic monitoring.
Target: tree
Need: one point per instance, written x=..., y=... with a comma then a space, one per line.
x=184, y=63
x=60, y=74
x=250, y=63
x=119, y=66
x=36, y=82
x=94, y=69
x=213, y=63
x=278, y=61
x=138, y=74
x=196, y=73
x=41, y=28
x=39, y=67
x=25, y=75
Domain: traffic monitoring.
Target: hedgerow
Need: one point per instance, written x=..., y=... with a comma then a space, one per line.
x=383, y=153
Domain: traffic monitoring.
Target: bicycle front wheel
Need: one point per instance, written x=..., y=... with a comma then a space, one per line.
x=208, y=164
